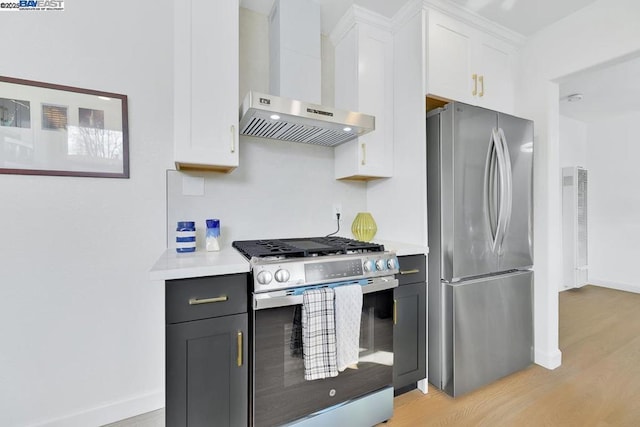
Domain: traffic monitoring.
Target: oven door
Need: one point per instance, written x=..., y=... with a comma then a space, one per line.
x=280, y=392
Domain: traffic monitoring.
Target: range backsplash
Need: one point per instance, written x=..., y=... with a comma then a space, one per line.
x=280, y=190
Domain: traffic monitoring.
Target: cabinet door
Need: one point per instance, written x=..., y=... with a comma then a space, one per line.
x=409, y=334
x=364, y=82
x=468, y=65
x=206, y=65
x=449, y=56
x=207, y=375
x=493, y=65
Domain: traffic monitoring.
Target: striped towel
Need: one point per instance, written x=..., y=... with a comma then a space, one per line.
x=319, y=334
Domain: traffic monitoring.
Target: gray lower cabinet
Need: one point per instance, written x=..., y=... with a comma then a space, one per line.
x=410, y=331
x=207, y=352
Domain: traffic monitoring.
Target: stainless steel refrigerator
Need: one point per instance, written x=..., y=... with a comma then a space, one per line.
x=480, y=228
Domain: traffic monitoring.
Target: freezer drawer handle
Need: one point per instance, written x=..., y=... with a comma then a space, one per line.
x=414, y=271
x=196, y=301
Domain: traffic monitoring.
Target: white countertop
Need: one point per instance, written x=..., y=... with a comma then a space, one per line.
x=173, y=265
x=402, y=249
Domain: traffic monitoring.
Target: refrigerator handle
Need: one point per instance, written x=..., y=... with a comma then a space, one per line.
x=508, y=187
x=503, y=190
x=491, y=186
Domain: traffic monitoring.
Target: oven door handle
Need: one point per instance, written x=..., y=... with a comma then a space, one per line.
x=275, y=299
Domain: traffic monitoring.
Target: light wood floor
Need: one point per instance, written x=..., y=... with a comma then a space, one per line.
x=598, y=383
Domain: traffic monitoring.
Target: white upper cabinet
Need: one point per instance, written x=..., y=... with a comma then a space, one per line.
x=206, y=80
x=364, y=83
x=449, y=55
x=467, y=64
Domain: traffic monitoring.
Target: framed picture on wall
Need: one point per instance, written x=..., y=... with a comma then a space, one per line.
x=50, y=129
x=89, y=118
x=15, y=113
x=54, y=117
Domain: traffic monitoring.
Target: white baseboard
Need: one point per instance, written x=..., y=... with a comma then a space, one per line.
x=628, y=287
x=423, y=386
x=548, y=360
x=109, y=413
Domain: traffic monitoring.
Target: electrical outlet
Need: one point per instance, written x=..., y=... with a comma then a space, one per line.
x=336, y=209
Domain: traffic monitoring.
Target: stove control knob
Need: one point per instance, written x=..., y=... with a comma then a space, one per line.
x=282, y=275
x=392, y=264
x=368, y=266
x=264, y=277
x=380, y=264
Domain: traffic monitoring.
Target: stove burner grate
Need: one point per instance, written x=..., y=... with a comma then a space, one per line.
x=304, y=247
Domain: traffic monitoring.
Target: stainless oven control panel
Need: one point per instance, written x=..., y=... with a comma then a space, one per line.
x=270, y=274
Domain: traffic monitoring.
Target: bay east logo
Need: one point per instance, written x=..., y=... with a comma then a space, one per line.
x=41, y=4
x=19, y=5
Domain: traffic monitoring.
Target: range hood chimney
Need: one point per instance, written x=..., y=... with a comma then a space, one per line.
x=292, y=111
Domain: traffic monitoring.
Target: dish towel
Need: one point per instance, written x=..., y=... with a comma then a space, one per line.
x=318, y=334
x=348, y=306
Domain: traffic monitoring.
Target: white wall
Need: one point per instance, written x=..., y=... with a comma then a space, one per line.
x=614, y=202
x=573, y=142
x=609, y=149
x=281, y=189
x=81, y=324
x=573, y=152
x=398, y=204
x=600, y=32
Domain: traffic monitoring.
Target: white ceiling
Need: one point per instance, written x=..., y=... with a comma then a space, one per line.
x=522, y=16
x=332, y=10
x=607, y=91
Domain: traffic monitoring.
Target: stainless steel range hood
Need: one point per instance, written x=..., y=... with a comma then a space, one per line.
x=285, y=119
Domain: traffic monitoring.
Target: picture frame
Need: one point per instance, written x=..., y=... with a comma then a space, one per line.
x=51, y=129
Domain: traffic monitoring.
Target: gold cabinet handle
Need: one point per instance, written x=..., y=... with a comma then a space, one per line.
x=233, y=138
x=395, y=312
x=414, y=271
x=475, y=84
x=364, y=154
x=481, y=80
x=239, y=361
x=196, y=301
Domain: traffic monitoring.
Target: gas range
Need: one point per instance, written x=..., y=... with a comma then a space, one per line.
x=282, y=271
x=279, y=264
